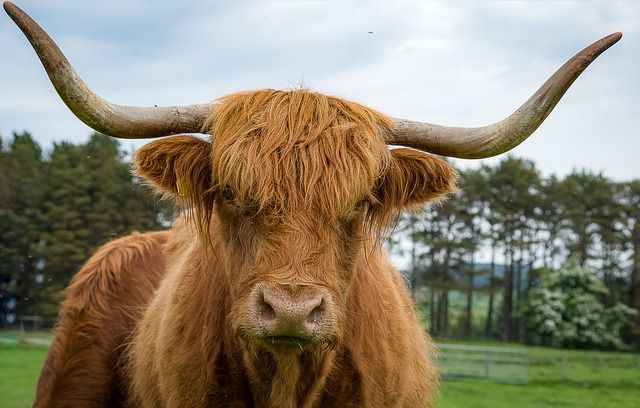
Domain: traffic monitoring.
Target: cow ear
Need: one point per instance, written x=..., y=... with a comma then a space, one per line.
x=178, y=166
x=414, y=178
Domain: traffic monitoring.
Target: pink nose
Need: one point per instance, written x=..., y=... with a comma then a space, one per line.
x=291, y=311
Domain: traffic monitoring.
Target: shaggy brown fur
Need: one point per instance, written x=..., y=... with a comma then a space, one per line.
x=104, y=300
x=294, y=189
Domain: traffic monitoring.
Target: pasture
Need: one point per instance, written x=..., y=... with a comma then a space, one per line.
x=19, y=369
x=592, y=379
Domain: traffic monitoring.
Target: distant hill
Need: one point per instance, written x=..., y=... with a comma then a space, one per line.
x=481, y=280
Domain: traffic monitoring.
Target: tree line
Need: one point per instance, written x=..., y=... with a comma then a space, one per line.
x=528, y=227
x=57, y=207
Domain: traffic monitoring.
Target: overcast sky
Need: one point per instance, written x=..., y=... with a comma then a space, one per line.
x=451, y=63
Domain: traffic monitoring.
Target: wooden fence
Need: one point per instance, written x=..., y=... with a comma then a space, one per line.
x=494, y=364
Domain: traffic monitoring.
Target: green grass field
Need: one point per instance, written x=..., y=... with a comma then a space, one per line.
x=594, y=379
x=19, y=369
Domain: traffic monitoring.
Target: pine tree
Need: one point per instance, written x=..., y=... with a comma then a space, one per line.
x=22, y=191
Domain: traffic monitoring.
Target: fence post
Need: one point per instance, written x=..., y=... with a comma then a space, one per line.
x=486, y=364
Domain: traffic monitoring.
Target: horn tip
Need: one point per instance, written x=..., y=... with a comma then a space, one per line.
x=615, y=36
x=612, y=38
x=11, y=9
x=7, y=5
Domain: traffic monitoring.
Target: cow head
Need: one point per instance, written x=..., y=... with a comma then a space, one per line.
x=293, y=185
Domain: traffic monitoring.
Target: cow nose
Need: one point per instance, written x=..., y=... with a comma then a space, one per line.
x=291, y=311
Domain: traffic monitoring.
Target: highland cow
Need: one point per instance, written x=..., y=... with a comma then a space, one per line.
x=271, y=289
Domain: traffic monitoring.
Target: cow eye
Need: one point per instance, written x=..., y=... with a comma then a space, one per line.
x=360, y=206
x=231, y=201
x=229, y=198
x=227, y=194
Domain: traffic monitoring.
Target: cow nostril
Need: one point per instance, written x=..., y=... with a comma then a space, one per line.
x=265, y=310
x=317, y=314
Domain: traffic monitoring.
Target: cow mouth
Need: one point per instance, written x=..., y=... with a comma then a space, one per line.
x=286, y=342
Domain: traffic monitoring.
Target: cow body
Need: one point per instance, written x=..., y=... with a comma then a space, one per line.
x=103, y=303
x=382, y=360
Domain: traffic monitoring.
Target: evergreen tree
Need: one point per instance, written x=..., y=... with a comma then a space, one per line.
x=68, y=207
x=92, y=200
x=21, y=211
x=552, y=219
x=473, y=206
x=514, y=186
x=587, y=196
x=630, y=202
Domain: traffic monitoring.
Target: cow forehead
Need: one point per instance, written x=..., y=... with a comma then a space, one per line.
x=297, y=149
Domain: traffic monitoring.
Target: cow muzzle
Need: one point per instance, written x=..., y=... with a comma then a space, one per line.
x=291, y=315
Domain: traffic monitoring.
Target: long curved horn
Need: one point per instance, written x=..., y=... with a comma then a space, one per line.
x=500, y=137
x=115, y=120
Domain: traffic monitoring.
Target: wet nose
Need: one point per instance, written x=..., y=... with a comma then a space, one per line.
x=291, y=310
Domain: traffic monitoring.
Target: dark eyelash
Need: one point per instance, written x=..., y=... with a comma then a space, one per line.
x=230, y=198
x=227, y=194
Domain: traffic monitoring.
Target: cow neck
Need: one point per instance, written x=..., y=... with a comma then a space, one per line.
x=287, y=380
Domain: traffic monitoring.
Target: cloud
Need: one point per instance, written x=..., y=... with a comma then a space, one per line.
x=456, y=63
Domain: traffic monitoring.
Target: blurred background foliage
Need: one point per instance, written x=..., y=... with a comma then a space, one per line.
x=56, y=208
